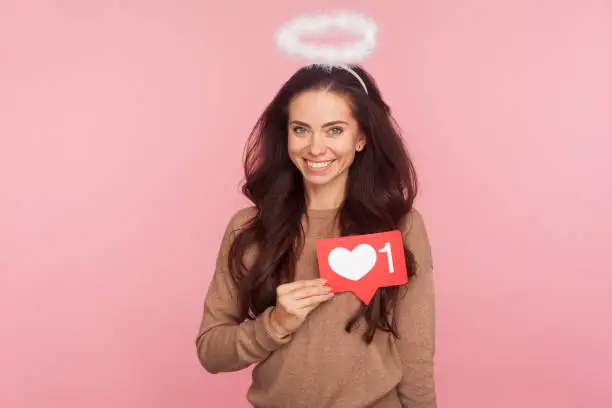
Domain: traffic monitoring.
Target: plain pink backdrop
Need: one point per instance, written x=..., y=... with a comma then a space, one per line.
x=122, y=125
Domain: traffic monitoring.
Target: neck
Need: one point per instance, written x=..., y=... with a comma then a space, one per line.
x=327, y=196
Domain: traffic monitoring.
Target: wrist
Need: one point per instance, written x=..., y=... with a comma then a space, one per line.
x=276, y=326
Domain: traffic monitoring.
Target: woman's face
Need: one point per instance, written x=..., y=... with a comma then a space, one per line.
x=323, y=137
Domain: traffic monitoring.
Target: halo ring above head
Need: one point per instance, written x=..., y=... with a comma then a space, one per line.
x=288, y=39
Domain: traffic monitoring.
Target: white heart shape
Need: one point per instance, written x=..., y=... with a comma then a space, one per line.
x=354, y=264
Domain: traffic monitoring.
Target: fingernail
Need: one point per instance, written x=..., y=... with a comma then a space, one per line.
x=323, y=280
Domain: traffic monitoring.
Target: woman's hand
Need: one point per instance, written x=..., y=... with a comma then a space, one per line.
x=294, y=301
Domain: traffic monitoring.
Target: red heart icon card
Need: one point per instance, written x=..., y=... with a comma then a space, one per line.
x=363, y=263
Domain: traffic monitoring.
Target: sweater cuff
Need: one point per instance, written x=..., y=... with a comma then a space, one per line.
x=264, y=333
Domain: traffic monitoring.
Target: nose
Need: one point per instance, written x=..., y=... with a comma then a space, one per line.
x=317, y=145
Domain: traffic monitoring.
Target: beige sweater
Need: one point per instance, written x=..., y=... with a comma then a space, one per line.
x=320, y=365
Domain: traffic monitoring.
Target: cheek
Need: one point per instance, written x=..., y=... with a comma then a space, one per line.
x=345, y=148
x=348, y=156
x=294, y=145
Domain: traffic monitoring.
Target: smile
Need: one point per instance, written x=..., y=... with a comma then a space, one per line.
x=318, y=165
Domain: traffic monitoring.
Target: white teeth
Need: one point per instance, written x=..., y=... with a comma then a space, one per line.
x=319, y=165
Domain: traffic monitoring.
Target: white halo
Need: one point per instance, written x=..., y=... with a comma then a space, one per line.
x=288, y=38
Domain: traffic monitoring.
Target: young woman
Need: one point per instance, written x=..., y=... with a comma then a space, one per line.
x=325, y=159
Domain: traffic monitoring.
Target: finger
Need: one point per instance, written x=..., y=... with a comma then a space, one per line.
x=313, y=301
x=303, y=293
x=289, y=287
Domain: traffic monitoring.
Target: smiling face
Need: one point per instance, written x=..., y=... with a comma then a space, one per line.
x=323, y=138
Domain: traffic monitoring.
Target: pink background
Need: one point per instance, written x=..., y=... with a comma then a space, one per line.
x=122, y=126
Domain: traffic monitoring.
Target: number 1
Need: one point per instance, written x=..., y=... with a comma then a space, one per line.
x=387, y=249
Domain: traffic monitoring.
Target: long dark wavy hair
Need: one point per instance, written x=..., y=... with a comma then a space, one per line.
x=381, y=188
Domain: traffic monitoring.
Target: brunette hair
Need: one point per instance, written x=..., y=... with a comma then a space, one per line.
x=381, y=189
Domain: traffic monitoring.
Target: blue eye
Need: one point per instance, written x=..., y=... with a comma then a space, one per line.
x=336, y=131
x=299, y=130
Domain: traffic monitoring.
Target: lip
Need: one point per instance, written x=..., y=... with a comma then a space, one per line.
x=322, y=170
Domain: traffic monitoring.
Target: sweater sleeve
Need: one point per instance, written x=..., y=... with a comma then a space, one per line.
x=226, y=341
x=416, y=322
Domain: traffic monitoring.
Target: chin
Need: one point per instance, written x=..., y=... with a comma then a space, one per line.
x=322, y=179
x=318, y=181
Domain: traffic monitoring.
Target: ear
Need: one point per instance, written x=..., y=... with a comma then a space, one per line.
x=361, y=142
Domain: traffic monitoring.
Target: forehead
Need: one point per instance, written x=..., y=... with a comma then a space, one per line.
x=320, y=106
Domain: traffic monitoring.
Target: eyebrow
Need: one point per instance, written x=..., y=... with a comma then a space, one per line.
x=332, y=123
